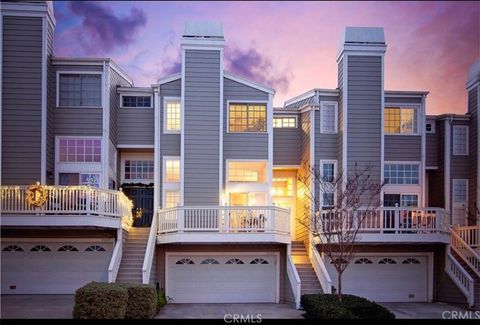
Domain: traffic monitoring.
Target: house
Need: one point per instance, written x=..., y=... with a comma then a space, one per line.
x=193, y=182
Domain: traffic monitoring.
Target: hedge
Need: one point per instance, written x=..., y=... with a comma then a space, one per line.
x=142, y=301
x=327, y=306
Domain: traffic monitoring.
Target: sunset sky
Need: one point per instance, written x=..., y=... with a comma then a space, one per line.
x=289, y=46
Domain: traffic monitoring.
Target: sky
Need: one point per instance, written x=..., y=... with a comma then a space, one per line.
x=288, y=46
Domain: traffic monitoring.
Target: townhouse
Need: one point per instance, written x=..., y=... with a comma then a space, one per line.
x=193, y=182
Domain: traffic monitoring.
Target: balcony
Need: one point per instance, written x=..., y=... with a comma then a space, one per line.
x=393, y=225
x=79, y=206
x=223, y=224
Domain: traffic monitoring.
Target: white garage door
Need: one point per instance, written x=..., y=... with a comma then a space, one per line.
x=53, y=268
x=385, y=278
x=231, y=278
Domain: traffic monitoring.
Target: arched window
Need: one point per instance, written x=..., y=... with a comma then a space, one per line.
x=411, y=260
x=363, y=261
x=13, y=248
x=259, y=261
x=95, y=248
x=210, y=261
x=234, y=261
x=68, y=248
x=387, y=261
x=40, y=248
x=339, y=260
x=185, y=261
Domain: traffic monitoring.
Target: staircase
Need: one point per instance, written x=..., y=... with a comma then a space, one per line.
x=133, y=255
x=308, y=277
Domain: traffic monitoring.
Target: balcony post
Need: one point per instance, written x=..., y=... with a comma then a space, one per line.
x=273, y=216
x=88, y=201
x=396, y=221
x=181, y=218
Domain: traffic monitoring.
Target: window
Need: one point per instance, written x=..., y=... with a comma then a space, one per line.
x=172, y=170
x=460, y=140
x=80, y=90
x=460, y=190
x=401, y=120
x=139, y=169
x=329, y=117
x=401, y=173
x=328, y=200
x=247, y=171
x=430, y=127
x=79, y=179
x=409, y=200
x=172, y=199
x=363, y=261
x=247, y=118
x=403, y=200
x=40, y=248
x=68, y=248
x=95, y=248
x=185, y=261
x=328, y=172
x=210, y=261
x=387, y=261
x=283, y=186
x=247, y=199
x=285, y=122
x=137, y=101
x=259, y=261
x=234, y=261
x=172, y=116
x=411, y=260
x=13, y=248
x=80, y=150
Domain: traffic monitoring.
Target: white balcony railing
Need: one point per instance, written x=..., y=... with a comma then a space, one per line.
x=461, y=277
x=468, y=254
x=469, y=234
x=224, y=219
x=68, y=201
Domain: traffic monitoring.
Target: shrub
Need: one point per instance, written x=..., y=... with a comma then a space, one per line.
x=327, y=306
x=141, y=301
x=161, y=299
x=98, y=300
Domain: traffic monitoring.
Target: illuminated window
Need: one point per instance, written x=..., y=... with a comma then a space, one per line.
x=283, y=186
x=172, y=170
x=172, y=199
x=401, y=173
x=139, y=169
x=248, y=171
x=329, y=117
x=400, y=120
x=460, y=140
x=247, y=199
x=284, y=122
x=247, y=118
x=80, y=150
x=172, y=115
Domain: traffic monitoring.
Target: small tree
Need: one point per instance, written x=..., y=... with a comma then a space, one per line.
x=335, y=223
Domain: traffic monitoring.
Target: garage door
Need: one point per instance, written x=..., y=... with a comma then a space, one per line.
x=53, y=268
x=385, y=278
x=228, y=278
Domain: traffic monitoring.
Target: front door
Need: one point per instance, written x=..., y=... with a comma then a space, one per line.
x=142, y=198
x=460, y=202
x=284, y=194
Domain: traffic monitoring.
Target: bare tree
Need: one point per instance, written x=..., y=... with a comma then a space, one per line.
x=336, y=219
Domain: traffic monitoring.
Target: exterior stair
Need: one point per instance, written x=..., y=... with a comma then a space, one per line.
x=475, y=277
x=308, y=277
x=133, y=254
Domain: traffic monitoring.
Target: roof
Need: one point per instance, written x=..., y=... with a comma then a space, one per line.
x=363, y=35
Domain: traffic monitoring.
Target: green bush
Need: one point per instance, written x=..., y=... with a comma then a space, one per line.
x=98, y=300
x=142, y=301
x=327, y=306
x=161, y=299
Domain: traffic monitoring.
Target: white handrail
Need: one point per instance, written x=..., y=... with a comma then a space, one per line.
x=468, y=254
x=321, y=271
x=461, y=278
x=295, y=281
x=116, y=259
x=470, y=234
x=150, y=250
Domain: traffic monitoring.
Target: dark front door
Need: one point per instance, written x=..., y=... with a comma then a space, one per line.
x=142, y=201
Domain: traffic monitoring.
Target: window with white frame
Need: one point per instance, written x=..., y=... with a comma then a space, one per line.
x=247, y=171
x=400, y=173
x=80, y=150
x=172, y=170
x=247, y=117
x=328, y=117
x=79, y=90
x=460, y=190
x=409, y=200
x=401, y=120
x=328, y=171
x=460, y=140
x=430, y=127
x=172, y=115
x=136, y=101
x=172, y=199
x=138, y=169
x=327, y=176
x=285, y=122
x=71, y=179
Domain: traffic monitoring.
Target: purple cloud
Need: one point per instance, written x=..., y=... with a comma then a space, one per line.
x=101, y=31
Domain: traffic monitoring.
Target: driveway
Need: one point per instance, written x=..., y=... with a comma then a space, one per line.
x=415, y=310
x=37, y=306
x=229, y=311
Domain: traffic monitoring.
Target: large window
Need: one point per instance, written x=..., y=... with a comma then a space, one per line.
x=80, y=90
x=328, y=174
x=80, y=150
x=137, y=101
x=328, y=117
x=247, y=199
x=172, y=199
x=401, y=173
x=460, y=140
x=139, y=169
x=285, y=122
x=460, y=190
x=400, y=200
x=172, y=170
x=283, y=186
x=91, y=179
x=247, y=118
x=172, y=116
x=401, y=120
x=247, y=171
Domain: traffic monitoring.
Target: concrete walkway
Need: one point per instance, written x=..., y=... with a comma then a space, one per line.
x=229, y=311
x=418, y=310
x=37, y=306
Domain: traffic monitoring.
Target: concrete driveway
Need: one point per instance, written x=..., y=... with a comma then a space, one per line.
x=416, y=310
x=37, y=306
x=229, y=311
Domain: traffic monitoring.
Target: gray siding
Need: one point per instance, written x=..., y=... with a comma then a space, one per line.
x=135, y=126
x=473, y=187
x=436, y=179
x=403, y=148
x=50, y=108
x=303, y=202
x=432, y=147
x=340, y=118
x=21, y=99
x=364, y=91
x=325, y=144
x=286, y=145
x=459, y=165
x=201, y=127
x=242, y=145
x=402, y=100
x=118, y=81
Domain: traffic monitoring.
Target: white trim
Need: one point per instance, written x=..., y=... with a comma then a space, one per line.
x=242, y=101
x=282, y=116
x=119, y=70
x=1, y=92
x=415, y=106
x=270, y=147
x=167, y=99
x=246, y=160
x=447, y=157
x=57, y=81
x=105, y=77
x=169, y=78
x=249, y=83
x=43, y=136
x=323, y=103
x=135, y=156
x=298, y=98
x=220, y=138
x=345, y=122
x=432, y=124
x=182, y=130
x=135, y=146
x=478, y=148
x=335, y=173
x=280, y=167
x=422, y=128
x=362, y=50
x=455, y=149
x=64, y=240
x=137, y=94
x=156, y=151
x=202, y=44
